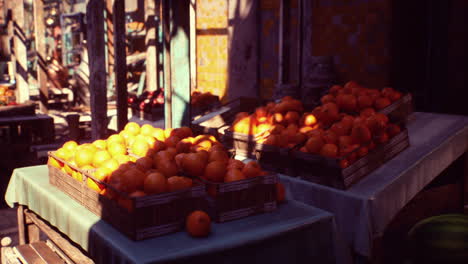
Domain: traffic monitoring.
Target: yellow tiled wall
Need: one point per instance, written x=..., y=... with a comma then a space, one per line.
x=212, y=46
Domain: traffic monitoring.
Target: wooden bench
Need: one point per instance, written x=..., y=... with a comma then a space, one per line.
x=39, y=252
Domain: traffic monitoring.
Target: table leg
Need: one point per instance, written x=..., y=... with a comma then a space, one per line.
x=21, y=225
x=28, y=232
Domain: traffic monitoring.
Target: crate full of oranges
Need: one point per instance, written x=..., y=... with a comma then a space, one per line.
x=143, y=180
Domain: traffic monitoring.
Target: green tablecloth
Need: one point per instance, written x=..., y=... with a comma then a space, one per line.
x=292, y=234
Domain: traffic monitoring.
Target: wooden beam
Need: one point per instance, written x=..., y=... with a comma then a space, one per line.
x=166, y=21
x=180, y=62
x=118, y=18
x=20, y=57
x=150, y=41
x=72, y=251
x=40, y=43
x=97, y=70
x=193, y=45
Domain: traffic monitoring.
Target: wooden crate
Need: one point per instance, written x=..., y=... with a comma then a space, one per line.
x=26, y=109
x=399, y=111
x=152, y=215
x=234, y=200
x=327, y=171
x=27, y=130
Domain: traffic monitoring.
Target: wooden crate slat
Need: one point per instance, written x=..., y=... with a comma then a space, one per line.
x=46, y=253
x=28, y=255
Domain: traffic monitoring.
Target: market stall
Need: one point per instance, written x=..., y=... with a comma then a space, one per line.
x=292, y=233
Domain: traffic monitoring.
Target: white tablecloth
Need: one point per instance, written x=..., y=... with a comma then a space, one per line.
x=363, y=211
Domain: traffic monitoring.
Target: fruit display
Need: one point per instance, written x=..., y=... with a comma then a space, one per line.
x=7, y=96
x=280, y=124
x=148, y=105
x=144, y=161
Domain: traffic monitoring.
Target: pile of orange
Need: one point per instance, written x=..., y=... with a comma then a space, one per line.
x=354, y=99
x=146, y=160
x=280, y=124
x=350, y=124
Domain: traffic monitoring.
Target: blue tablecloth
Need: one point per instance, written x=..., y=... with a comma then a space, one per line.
x=363, y=211
x=292, y=234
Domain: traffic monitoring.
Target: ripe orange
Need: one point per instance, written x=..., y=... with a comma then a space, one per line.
x=278, y=118
x=132, y=128
x=155, y=183
x=367, y=112
x=235, y=164
x=70, y=145
x=144, y=163
x=176, y=183
x=329, y=136
x=234, y=175
x=100, y=144
x=218, y=155
x=314, y=144
x=116, y=138
x=381, y=103
x=172, y=141
x=64, y=154
x=182, y=132
x=292, y=117
x=327, y=98
x=198, y=224
x=347, y=102
x=252, y=169
x=194, y=164
x=215, y=171
x=329, y=150
x=310, y=120
x=102, y=174
x=183, y=146
x=122, y=159
x=94, y=185
x=125, y=135
x=159, y=134
x=364, y=101
x=280, y=192
x=334, y=89
x=395, y=96
x=116, y=149
x=168, y=168
x=340, y=129
x=375, y=124
x=361, y=134
x=140, y=147
x=344, y=141
x=178, y=159
x=134, y=179
x=100, y=157
x=54, y=163
x=146, y=130
x=84, y=156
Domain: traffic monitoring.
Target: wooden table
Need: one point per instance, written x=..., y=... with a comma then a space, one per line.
x=291, y=232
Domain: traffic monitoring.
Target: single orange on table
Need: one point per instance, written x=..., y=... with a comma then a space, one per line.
x=198, y=224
